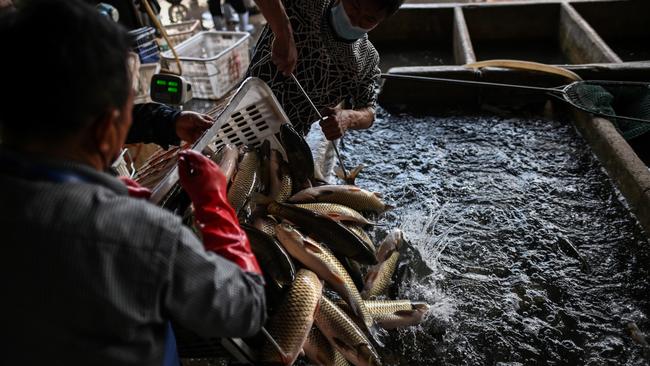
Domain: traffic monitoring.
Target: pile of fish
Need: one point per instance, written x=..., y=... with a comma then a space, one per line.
x=312, y=245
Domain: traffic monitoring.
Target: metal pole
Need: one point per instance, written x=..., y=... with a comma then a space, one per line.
x=320, y=116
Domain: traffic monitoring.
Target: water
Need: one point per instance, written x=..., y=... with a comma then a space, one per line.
x=492, y=207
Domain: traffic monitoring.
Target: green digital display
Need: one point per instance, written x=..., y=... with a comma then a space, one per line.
x=173, y=83
x=162, y=82
x=172, y=90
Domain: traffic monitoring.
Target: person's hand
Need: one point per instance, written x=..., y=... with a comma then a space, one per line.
x=337, y=122
x=206, y=185
x=191, y=125
x=284, y=53
x=201, y=178
x=134, y=188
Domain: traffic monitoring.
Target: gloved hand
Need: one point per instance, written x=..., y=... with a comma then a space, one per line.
x=134, y=188
x=207, y=188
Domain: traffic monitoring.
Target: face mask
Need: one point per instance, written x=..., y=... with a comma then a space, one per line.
x=342, y=25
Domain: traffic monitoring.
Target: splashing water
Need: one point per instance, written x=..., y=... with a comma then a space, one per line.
x=500, y=215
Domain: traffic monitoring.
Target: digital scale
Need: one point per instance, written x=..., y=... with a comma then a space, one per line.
x=170, y=89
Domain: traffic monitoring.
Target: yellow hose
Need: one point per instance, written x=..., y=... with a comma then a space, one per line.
x=162, y=31
x=527, y=65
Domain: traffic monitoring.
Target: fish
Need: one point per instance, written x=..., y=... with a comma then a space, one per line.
x=319, y=259
x=299, y=156
x=228, y=157
x=337, y=212
x=265, y=167
x=276, y=263
x=391, y=314
x=352, y=174
x=281, y=185
x=245, y=181
x=291, y=324
x=379, y=277
x=320, y=352
x=354, y=270
x=345, y=335
x=337, y=237
x=347, y=195
x=266, y=224
x=361, y=234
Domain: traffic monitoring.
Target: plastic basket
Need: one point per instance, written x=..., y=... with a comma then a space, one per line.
x=179, y=32
x=252, y=116
x=143, y=82
x=144, y=44
x=214, y=62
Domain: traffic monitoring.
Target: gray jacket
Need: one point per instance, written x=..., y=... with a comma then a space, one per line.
x=90, y=276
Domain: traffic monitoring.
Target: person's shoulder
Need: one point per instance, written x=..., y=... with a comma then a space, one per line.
x=134, y=220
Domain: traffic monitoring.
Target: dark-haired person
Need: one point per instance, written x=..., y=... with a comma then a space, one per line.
x=89, y=275
x=325, y=44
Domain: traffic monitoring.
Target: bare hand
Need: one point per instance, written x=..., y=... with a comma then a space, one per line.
x=336, y=123
x=191, y=125
x=284, y=53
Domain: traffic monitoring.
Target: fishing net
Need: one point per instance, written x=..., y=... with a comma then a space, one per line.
x=631, y=100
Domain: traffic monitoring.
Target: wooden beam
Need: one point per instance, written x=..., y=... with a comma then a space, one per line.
x=580, y=42
x=463, y=50
x=623, y=166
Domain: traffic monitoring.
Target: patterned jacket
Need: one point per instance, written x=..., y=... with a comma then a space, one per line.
x=330, y=69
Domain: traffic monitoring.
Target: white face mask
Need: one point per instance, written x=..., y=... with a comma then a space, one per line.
x=343, y=26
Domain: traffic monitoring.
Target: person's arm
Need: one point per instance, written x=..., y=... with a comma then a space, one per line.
x=284, y=53
x=340, y=120
x=163, y=125
x=211, y=295
x=154, y=123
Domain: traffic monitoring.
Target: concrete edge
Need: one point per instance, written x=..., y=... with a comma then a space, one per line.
x=623, y=166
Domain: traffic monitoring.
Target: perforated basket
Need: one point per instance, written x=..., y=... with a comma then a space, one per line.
x=214, y=62
x=252, y=116
x=179, y=32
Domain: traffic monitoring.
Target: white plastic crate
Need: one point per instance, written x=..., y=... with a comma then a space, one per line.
x=252, y=116
x=214, y=62
x=179, y=32
x=143, y=82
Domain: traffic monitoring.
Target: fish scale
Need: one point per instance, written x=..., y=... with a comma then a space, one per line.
x=245, y=181
x=322, y=261
x=358, y=231
x=346, y=195
x=337, y=212
x=345, y=335
x=320, y=351
x=384, y=277
x=291, y=324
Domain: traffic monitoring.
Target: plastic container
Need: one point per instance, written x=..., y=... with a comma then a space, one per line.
x=143, y=82
x=252, y=116
x=214, y=62
x=180, y=32
x=144, y=44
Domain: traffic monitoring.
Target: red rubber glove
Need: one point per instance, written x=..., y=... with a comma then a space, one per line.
x=134, y=188
x=207, y=187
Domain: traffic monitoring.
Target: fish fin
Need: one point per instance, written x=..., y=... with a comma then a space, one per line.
x=371, y=276
x=354, y=189
x=339, y=173
x=334, y=216
x=378, y=194
x=388, y=207
x=311, y=246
